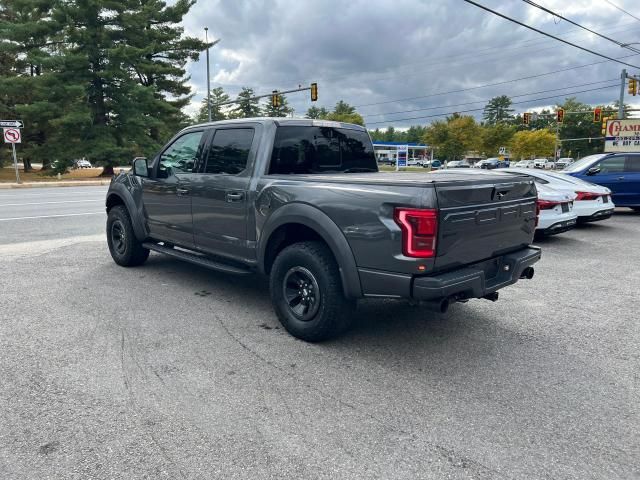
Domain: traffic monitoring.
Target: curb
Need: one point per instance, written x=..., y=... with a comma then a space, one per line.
x=82, y=183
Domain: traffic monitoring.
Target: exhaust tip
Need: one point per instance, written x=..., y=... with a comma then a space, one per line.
x=492, y=296
x=528, y=273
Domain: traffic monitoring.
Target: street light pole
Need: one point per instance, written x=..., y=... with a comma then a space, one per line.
x=206, y=38
x=623, y=78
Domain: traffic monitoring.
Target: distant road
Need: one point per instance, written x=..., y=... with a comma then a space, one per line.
x=51, y=213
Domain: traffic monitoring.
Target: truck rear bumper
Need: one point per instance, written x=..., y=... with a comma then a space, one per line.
x=473, y=281
x=478, y=280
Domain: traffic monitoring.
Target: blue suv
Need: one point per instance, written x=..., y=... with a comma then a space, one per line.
x=619, y=172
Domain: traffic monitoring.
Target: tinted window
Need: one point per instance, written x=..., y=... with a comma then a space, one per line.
x=612, y=165
x=181, y=155
x=321, y=149
x=229, y=151
x=633, y=163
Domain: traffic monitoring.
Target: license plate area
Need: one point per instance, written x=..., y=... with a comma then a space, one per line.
x=605, y=199
x=565, y=207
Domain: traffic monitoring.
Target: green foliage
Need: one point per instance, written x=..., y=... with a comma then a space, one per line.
x=217, y=96
x=247, y=107
x=531, y=144
x=454, y=137
x=498, y=110
x=284, y=110
x=317, y=113
x=493, y=137
x=103, y=79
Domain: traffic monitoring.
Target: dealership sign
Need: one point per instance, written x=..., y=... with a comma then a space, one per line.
x=622, y=136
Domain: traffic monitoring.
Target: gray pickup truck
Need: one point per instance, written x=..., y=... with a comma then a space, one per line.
x=303, y=202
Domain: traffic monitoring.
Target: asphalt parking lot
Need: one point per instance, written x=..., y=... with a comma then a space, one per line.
x=172, y=371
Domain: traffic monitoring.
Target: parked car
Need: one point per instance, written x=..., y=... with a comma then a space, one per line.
x=320, y=220
x=563, y=163
x=556, y=211
x=543, y=163
x=525, y=164
x=415, y=162
x=82, y=163
x=387, y=161
x=488, y=164
x=458, y=164
x=619, y=172
x=593, y=202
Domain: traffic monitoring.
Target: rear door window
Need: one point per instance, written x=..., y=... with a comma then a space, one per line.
x=633, y=164
x=306, y=149
x=229, y=151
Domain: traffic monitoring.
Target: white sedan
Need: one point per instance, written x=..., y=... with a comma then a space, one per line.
x=556, y=214
x=593, y=202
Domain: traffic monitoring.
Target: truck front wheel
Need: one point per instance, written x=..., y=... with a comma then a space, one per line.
x=124, y=247
x=306, y=292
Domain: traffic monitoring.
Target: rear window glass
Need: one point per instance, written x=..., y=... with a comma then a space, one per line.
x=303, y=150
x=229, y=151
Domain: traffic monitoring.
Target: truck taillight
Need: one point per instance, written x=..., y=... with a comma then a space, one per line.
x=546, y=204
x=419, y=231
x=587, y=196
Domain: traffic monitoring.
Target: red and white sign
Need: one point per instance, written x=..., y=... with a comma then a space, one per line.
x=12, y=135
x=622, y=136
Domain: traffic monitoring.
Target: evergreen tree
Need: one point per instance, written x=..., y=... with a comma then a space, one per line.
x=284, y=110
x=107, y=78
x=247, y=107
x=217, y=96
x=498, y=110
x=317, y=113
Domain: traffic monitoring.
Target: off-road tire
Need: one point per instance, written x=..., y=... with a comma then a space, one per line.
x=333, y=312
x=124, y=247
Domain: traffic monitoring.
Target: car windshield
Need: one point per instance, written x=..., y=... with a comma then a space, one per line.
x=583, y=163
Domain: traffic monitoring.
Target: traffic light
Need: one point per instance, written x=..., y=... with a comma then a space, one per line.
x=560, y=115
x=633, y=86
x=314, y=92
x=597, y=115
x=604, y=126
x=275, y=99
x=526, y=118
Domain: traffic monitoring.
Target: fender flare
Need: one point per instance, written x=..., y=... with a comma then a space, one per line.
x=318, y=221
x=135, y=209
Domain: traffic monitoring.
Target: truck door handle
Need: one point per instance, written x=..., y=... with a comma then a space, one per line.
x=234, y=196
x=182, y=192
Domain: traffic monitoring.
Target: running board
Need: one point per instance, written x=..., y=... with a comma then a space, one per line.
x=197, y=259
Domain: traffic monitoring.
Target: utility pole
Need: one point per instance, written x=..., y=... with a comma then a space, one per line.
x=623, y=78
x=206, y=39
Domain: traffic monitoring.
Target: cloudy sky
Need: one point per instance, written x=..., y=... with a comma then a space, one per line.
x=403, y=56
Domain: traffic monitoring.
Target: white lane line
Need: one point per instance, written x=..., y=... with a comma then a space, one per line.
x=53, y=216
x=14, y=250
x=52, y=194
x=48, y=203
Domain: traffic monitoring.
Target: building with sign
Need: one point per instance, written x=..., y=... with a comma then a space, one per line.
x=387, y=152
x=622, y=136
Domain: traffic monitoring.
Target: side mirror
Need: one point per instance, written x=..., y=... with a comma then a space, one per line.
x=140, y=167
x=593, y=170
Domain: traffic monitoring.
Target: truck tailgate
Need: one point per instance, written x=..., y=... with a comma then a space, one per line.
x=483, y=216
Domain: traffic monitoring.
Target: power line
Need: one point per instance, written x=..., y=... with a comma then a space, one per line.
x=503, y=82
x=484, y=101
x=482, y=108
x=548, y=34
x=621, y=9
x=551, y=12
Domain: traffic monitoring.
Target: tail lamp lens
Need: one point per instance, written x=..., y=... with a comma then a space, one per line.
x=546, y=204
x=419, y=231
x=587, y=196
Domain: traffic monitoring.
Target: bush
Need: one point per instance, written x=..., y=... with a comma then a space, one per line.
x=60, y=166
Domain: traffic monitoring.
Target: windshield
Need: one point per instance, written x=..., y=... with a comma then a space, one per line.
x=304, y=150
x=583, y=163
